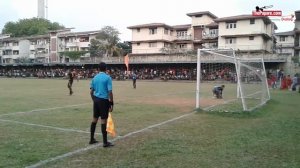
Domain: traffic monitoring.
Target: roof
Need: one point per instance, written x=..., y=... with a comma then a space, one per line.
x=242, y=17
x=85, y=33
x=287, y=33
x=247, y=35
x=149, y=25
x=212, y=24
x=180, y=27
x=202, y=13
x=26, y=37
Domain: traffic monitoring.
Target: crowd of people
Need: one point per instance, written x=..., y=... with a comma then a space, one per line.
x=283, y=81
x=276, y=79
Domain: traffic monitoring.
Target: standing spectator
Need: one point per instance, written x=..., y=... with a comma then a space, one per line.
x=102, y=96
x=273, y=81
x=294, y=82
x=288, y=81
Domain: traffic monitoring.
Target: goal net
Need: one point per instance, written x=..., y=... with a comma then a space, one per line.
x=244, y=81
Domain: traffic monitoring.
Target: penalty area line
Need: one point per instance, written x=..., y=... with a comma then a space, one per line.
x=46, y=126
x=43, y=162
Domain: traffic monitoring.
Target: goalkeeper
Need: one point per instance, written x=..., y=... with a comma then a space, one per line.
x=217, y=91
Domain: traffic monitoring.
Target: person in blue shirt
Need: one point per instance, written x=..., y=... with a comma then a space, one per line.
x=134, y=80
x=102, y=96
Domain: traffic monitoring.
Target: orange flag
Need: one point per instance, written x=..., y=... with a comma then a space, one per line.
x=126, y=61
x=110, y=127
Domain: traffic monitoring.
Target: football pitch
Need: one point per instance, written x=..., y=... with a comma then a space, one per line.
x=156, y=125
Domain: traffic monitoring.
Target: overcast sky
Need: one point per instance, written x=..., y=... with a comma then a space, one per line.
x=87, y=15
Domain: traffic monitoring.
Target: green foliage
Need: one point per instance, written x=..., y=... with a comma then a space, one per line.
x=106, y=42
x=73, y=55
x=97, y=48
x=126, y=47
x=29, y=27
x=295, y=59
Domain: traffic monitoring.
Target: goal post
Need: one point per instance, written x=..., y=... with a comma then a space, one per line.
x=245, y=81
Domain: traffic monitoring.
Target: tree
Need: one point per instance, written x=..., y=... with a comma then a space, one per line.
x=73, y=55
x=108, y=38
x=29, y=27
x=125, y=47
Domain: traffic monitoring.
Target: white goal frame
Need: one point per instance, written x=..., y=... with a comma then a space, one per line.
x=238, y=62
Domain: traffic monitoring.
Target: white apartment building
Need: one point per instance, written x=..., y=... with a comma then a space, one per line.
x=156, y=38
x=297, y=34
x=44, y=48
x=245, y=33
x=285, y=43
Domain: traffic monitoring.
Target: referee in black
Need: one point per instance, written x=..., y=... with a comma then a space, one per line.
x=101, y=93
x=70, y=82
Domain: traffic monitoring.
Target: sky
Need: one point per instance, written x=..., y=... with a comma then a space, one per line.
x=89, y=15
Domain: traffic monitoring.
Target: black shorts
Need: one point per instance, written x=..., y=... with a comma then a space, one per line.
x=101, y=108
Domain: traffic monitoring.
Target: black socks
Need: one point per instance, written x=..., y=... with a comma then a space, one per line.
x=93, y=128
x=104, y=133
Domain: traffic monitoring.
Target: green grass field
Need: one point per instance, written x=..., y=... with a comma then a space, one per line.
x=41, y=125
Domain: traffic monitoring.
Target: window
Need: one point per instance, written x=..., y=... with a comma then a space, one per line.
x=167, y=45
x=152, y=44
x=251, y=37
x=138, y=30
x=213, y=32
x=153, y=31
x=230, y=25
x=252, y=21
x=181, y=33
x=166, y=31
x=15, y=44
x=230, y=40
x=15, y=52
x=182, y=46
x=283, y=38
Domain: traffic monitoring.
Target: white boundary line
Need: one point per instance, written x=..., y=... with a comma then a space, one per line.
x=46, y=109
x=43, y=162
x=46, y=126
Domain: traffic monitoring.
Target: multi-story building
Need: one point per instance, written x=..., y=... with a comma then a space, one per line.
x=65, y=40
x=159, y=37
x=297, y=34
x=45, y=48
x=245, y=33
x=285, y=43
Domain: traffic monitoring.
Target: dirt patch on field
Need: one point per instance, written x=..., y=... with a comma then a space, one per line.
x=183, y=104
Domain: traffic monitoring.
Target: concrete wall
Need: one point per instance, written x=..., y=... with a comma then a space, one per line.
x=203, y=20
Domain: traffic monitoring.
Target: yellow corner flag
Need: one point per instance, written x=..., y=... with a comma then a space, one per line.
x=110, y=127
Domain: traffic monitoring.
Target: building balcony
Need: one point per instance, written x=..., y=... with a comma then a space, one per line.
x=7, y=47
x=84, y=44
x=285, y=45
x=72, y=44
x=184, y=37
x=41, y=55
x=210, y=36
x=41, y=46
